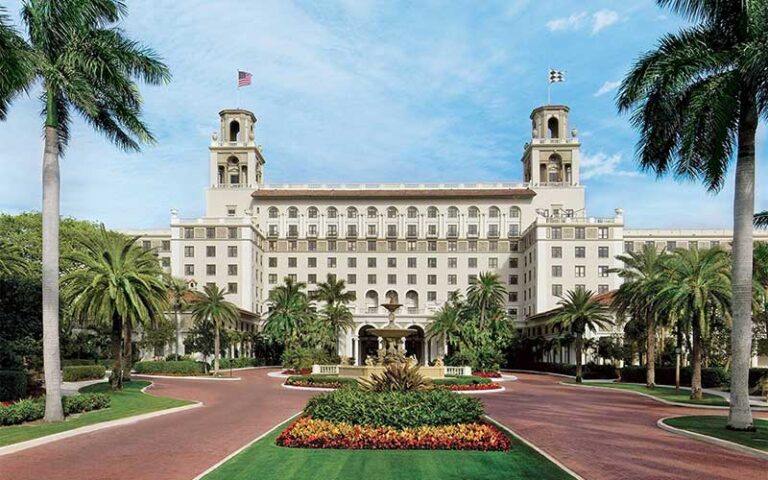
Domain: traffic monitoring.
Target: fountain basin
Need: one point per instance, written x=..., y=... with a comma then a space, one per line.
x=365, y=371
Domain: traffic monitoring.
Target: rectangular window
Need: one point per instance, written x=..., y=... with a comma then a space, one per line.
x=493, y=230
x=472, y=230
x=312, y=230
x=432, y=246
x=580, y=252
x=452, y=279
x=371, y=245
x=431, y=279
x=602, y=288
x=272, y=262
x=411, y=230
x=292, y=277
x=293, y=230
x=602, y=270
x=166, y=245
x=411, y=262
x=411, y=279
x=580, y=287
x=312, y=262
x=372, y=279
x=602, y=233
x=432, y=230
x=391, y=279
x=557, y=270
x=602, y=252
x=210, y=232
x=391, y=230
x=312, y=245
x=514, y=246
x=189, y=269
x=189, y=232
x=557, y=252
x=557, y=290
x=472, y=262
x=351, y=230
x=210, y=251
x=210, y=269
x=371, y=262
x=431, y=296
x=431, y=262
x=166, y=262
x=581, y=233
x=331, y=262
x=472, y=245
x=292, y=262
x=232, y=251
x=493, y=246
x=352, y=262
x=331, y=245
x=512, y=297
x=232, y=232
x=351, y=278
x=232, y=269
x=189, y=251
x=671, y=246
x=352, y=246
x=372, y=230
x=332, y=230
x=453, y=230
x=452, y=245
x=452, y=262
x=232, y=287
x=556, y=233
x=471, y=278
x=272, y=278
x=581, y=271
x=629, y=247
x=392, y=246
x=272, y=231
x=392, y=262
x=514, y=230
x=513, y=280
x=493, y=262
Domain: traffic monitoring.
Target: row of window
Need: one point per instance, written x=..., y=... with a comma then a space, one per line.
x=372, y=246
x=556, y=233
x=412, y=262
x=210, y=251
x=210, y=269
x=670, y=245
x=392, y=231
x=210, y=233
x=392, y=212
x=557, y=289
x=581, y=252
x=580, y=271
x=165, y=245
x=231, y=286
x=391, y=279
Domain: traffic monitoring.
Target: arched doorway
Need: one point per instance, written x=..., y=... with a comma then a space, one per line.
x=414, y=344
x=367, y=344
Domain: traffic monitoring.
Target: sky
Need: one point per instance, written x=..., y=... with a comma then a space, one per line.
x=369, y=91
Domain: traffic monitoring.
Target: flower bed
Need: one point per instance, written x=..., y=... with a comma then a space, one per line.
x=312, y=433
x=320, y=381
x=487, y=374
x=29, y=409
x=472, y=387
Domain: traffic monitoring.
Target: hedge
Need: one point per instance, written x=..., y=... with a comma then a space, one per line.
x=29, y=409
x=13, y=385
x=589, y=370
x=320, y=381
x=395, y=409
x=461, y=381
x=241, y=362
x=184, y=367
x=83, y=372
x=710, y=377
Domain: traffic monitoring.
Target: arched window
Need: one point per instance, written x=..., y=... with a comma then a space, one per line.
x=372, y=301
x=312, y=212
x=273, y=212
x=293, y=212
x=554, y=168
x=331, y=212
x=351, y=212
x=413, y=212
x=494, y=212
x=412, y=301
x=453, y=212
x=234, y=131
x=553, y=128
x=233, y=170
x=473, y=212
x=432, y=212
x=514, y=212
x=392, y=212
x=372, y=212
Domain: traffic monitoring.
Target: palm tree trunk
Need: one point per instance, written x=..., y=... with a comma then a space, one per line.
x=696, y=393
x=116, y=379
x=127, y=351
x=54, y=412
x=178, y=332
x=650, y=364
x=740, y=415
x=578, y=357
x=216, y=349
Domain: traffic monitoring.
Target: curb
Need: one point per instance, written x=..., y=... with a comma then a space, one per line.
x=464, y=392
x=480, y=392
x=505, y=378
x=711, y=440
x=201, y=377
x=36, y=442
x=310, y=389
x=537, y=449
x=278, y=375
x=239, y=450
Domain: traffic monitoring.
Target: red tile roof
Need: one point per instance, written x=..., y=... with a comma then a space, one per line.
x=394, y=193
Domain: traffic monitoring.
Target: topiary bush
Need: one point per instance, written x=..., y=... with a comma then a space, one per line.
x=29, y=409
x=395, y=409
x=184, y=367
x=710, y=377
x=396, y=377
x=83, y=372
x=13, y=385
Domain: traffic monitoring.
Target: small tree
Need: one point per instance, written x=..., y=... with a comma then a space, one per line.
x=211, y=306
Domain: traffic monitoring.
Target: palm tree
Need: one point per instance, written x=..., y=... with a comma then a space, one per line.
x=486, y=293
x=114, y=282
x=288, y=311
x=698, y=286
x=581, y=313
x=88, y=66
x=212, y=307
x=12, y=262
x=696, y=99
x=761, y=219
x=642, y=272
x=15, y=63
x=445, y=322
x=178, y=291
x=335, y=312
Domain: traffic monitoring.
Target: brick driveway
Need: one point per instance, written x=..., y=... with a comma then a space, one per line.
x=598, y=434
x=613, y=435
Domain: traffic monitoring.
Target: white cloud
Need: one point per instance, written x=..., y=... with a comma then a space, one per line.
x=602, y=19
x=577, y=21
x=607, y=87
x=601, y=164
x=573, y=22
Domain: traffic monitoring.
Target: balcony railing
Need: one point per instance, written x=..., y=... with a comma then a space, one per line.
x=392, y=186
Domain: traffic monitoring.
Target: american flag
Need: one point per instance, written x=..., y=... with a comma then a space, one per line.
x=243, y=78
x=556, y=76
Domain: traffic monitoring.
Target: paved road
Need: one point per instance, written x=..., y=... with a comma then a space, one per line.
x=613, y=435
x=176, y=446
x=600, y=435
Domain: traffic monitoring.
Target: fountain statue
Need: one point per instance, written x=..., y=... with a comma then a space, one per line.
x=392, y=335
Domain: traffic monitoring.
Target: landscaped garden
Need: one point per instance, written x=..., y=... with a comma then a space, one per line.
x=714, y=426
x=665, y=393
x=106, y=405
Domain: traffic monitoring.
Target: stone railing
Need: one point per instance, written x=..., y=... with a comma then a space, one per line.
x=325, y=369
x=458, y=371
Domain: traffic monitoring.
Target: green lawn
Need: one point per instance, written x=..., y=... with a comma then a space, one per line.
x=714, y=426
x=665, y=393
x=127, y=403
x=266, y=461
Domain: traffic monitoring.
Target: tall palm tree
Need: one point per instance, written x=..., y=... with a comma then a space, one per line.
x=642, y=273
x=335, y=312
x=288, y=311
x=178, y=291
x=12, y=262
x=696, y=99
x=15, y=63
x=761, y=219
x=486, y=293
x=213, y=307
x=581, y=313
x=114, y=282
x=698, y=287
x=87, y=65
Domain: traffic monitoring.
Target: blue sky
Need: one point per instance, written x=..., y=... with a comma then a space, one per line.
x=359, y=90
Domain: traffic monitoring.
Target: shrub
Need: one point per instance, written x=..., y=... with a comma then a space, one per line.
x=321, y=381
x=589, y=371
x=461, y=381
x=460, y=359
x=755, y=375
x=241, y=362
x=172, y=368
x=301, y=358
x=312, y=433
x=710, y=377
x=397, y=377
x=175, y=357
x=29, y=409
x=493, y=374
x=74, y=362
x=83, y=372
x=395, y=409
x=13, y=385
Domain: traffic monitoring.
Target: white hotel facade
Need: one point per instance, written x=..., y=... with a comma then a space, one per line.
x=414, y=243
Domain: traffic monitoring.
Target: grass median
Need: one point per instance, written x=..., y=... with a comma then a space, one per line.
x=714, y=426
x=664, y=393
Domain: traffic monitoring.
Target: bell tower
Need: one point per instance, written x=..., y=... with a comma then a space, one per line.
x=552, y=157
x=236, y=160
